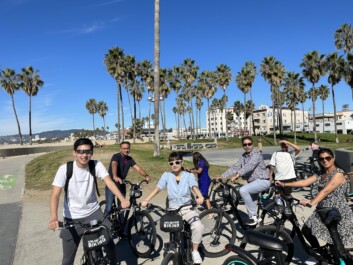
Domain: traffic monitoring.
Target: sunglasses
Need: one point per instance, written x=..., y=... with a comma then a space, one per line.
x=249, y=144
x=87, y=152
x=327, y=158
x=176, y=162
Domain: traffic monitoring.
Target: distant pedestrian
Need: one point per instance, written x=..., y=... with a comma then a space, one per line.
x=201, y=167
x=315, y=148
x=259, y=143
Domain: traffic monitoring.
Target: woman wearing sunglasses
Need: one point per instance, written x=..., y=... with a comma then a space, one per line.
x=179, y=184
x=332, y=187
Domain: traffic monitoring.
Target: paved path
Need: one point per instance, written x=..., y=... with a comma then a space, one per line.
x=36, y=245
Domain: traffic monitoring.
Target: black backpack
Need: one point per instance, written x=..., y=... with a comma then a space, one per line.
x=69, y=171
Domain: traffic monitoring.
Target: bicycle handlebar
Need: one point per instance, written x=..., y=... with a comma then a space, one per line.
x=125, y=181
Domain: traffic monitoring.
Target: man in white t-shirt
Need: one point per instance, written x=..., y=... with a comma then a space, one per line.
x=80, y=203
x=282, y=164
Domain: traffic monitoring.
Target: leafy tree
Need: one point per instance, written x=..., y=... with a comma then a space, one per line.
x=323, y=92
x=10, y=83
x=345, y=107
x=30, y=83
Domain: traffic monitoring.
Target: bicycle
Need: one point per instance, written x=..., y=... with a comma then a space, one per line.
x=179, y=248
x=141, y=227
x=221, y=230
x=94, y=240
x=270, y=246
x=326, y=253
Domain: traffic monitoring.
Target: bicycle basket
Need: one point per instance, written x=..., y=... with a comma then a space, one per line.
x=171, y=222
x=136, y=191
x=97, y=237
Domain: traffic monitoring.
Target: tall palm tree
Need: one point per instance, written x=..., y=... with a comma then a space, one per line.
x=156, y=152
x=10, y=83
x=102, y=111
x=344, y=40
x=273, y=72
x=334, y=64
x=323, y=92
x=313, y=69
x=348, y=75
x=224, y=76
x=214, y=107
x=245, y=80
x=30, y=83
x=114, y=62
x=92, y=107
x=292, y=84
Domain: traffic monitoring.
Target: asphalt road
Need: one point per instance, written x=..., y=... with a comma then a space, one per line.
x=36, y=245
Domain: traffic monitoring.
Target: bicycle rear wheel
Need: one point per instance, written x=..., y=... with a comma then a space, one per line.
x=142, y=233
x=237, y=260
x=219, y=230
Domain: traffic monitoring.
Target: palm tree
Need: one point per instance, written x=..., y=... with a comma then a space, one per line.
x=273, y=72
x=114, y=62
x=238, y=108
x=345, y=107
x=223, y=78
x=344, y=40
x=214, y=107
x=156, y=152
x=323, y=92
x=313, y=69
x=245, y=80
x=30, y=83
x=92, y=107
x=302, y=96
x=334, y=64
x=10, y=83
x=292, y=84
x=102, y=110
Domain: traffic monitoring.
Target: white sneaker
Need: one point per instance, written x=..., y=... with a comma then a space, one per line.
x=196, y=257
x=311, y=261
x=252, y=221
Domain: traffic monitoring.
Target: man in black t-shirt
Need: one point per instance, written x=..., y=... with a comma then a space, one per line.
x=118, y=170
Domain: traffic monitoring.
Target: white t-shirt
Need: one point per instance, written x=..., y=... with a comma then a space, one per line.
x=284, y=165
x=81, y=195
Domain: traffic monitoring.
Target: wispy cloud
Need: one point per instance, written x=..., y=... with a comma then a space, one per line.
x=108, y=3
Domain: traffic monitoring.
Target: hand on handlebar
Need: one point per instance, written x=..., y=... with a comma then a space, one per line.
x=234, y=178
x=279, y=183
x=125, y=204
x=305, y=202
x=144, y=203
x=117, y=179
x=199, y=200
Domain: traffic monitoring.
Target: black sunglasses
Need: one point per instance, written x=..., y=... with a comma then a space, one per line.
x=81, y=152
x=248, y=144
x=327, y=158
x=176, y=162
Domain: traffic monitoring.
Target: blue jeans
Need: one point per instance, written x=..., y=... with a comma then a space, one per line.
x=110, y=197
x=250, y=193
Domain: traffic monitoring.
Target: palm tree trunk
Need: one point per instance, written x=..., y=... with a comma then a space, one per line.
x=104, y=131
x=252, y=114
x=156, y=152
x=334, y=113
x=209, y=119
x=149, y=121
x=295, y=127
x=18, y=122
x=314, y=119
x=118, y=99
x=273, y=120
x=122, y=114
x=30, y=119
x=245, y=120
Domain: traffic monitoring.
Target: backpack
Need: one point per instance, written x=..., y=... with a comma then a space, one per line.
x=69, y=171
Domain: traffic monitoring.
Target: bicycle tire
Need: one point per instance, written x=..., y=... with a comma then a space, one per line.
x=142, y=234
x=170, y=259
x=237, y=260
x=281, y=234
x=215, y=238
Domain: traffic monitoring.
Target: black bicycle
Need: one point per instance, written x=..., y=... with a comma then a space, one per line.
x=141, y=229
x=179, y=248
x=269, y=246
x=94, y=240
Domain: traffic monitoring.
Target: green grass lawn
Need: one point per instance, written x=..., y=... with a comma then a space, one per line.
x=40, y=171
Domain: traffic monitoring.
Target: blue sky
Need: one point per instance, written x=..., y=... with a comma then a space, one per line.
x=67, y=41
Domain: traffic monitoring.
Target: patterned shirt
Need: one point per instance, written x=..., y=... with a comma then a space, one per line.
x=250, y=166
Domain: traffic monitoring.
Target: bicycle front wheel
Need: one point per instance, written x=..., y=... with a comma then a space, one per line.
x=142, y=234
x=219, y=230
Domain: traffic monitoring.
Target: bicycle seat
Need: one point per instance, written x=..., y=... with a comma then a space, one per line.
x=264, y=240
